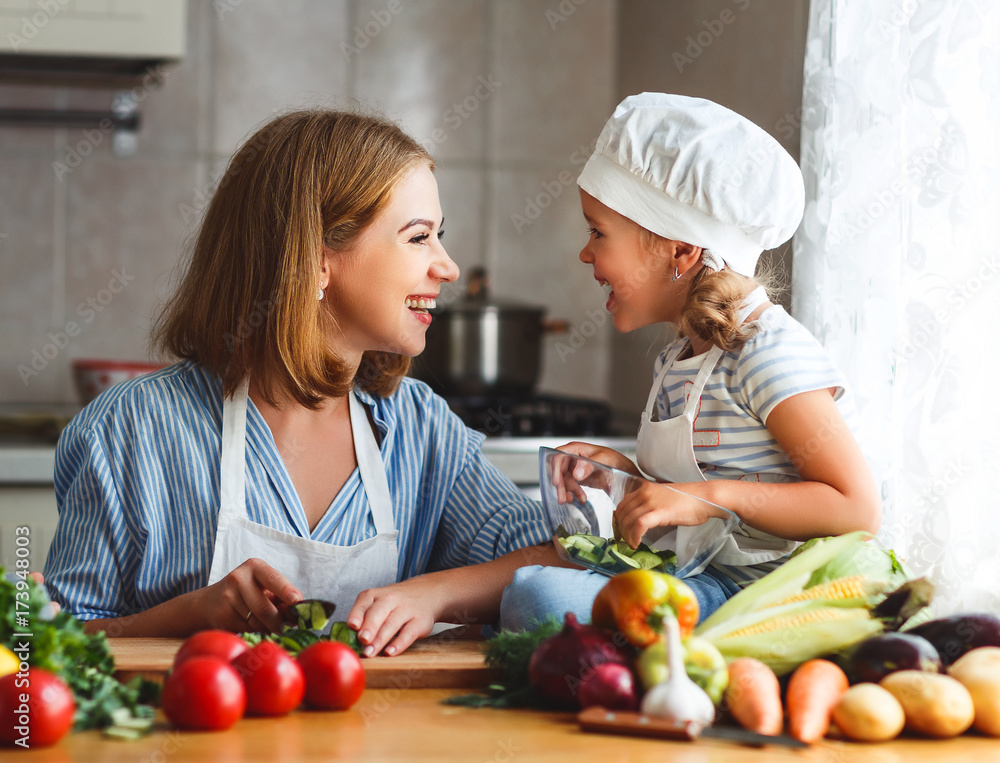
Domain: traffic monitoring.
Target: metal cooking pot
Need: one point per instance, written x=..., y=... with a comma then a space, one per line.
x=481, y=346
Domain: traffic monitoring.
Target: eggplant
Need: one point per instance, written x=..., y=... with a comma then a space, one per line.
x=903, y=603
x=876, y=657
x=955, y=635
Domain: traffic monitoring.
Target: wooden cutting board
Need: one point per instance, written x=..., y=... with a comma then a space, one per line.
x=439, y=662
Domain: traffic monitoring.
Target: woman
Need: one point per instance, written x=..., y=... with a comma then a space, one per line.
x=287, y=456
x=746, y=410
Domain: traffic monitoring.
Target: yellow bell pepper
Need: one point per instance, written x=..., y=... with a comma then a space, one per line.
x=634, y=603
x=9, y=663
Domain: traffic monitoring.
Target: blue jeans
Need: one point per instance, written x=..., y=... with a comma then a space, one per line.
x=537, y=592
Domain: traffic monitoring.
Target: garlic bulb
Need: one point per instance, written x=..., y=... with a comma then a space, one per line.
x=678, y=698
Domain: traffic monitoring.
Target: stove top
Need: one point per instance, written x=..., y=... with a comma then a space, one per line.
x=539, y=415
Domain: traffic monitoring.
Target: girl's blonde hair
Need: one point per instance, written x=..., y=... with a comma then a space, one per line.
x=711, y=310
x=248, y=301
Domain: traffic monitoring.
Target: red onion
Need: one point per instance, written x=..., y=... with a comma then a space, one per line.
x=561, y=662
x=611, y=686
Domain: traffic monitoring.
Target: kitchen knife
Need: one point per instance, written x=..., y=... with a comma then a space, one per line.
x=313, y=614
x=599, y=720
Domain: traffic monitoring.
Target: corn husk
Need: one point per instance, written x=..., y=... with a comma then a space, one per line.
x=817, y=603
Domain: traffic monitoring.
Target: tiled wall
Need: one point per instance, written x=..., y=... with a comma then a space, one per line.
x=98, y=245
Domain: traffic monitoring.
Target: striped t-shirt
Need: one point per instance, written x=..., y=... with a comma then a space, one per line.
x=137, y=486
x=731, y=440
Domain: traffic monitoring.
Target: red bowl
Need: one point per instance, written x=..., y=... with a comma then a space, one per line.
x=92, y=377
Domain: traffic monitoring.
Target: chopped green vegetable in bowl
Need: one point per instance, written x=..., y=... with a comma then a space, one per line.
x=84, y=661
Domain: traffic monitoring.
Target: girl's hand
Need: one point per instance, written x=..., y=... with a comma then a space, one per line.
x=246, y=598
x=571, y=475
x=394, y=616
x=654, y=504
x=601, y=455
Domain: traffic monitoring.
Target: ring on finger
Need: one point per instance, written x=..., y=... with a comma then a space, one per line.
x=249, y=615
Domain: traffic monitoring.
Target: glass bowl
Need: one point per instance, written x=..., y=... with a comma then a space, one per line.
x=581, y=518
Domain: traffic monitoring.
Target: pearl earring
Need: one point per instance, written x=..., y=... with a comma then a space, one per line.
x=319, y=296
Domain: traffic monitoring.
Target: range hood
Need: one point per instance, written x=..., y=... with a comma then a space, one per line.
x=108, y=42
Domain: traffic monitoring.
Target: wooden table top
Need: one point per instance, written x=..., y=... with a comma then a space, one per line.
x=413, y=725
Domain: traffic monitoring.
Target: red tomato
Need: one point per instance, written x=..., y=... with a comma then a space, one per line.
x=334, y=676
x=203, y=692
x=222, y=644
x=273, y=679
x=36, y=707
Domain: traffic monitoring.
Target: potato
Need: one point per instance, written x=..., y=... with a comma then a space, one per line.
x=868, y=713
x=934, y=704
x=979, y=672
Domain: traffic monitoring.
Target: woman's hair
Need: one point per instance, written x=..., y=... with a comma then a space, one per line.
x=248, y=301
x=711, y=310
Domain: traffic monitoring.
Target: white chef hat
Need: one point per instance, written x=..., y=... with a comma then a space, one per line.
x=691, y=170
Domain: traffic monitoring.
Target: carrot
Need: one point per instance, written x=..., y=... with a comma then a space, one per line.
x=813, y=691
x=754, y=696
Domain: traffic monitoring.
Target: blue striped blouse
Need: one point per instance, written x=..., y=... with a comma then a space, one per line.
x=137, y=486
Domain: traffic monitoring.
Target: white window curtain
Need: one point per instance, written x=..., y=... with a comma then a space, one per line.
x=897, y=266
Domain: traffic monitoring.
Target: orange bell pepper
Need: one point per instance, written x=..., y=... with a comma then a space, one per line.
x=634, y=603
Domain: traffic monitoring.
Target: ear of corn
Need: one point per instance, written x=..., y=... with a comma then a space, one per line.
x=786, y=581
x=851, y=591
x=797, y=612
x=786, y=643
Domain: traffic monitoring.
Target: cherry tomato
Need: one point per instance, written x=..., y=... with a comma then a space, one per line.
x=203, y=692
x=36, y=707
x=222, y=644
x=273, y=679
x=334, y=675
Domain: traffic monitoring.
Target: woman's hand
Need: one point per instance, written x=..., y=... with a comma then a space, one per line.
x=246, y=599
x=37, y=577
x=654, y=504
x=394, y=616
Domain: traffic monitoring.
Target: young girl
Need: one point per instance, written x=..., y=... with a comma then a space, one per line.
x=287, y=455
x=746, y=410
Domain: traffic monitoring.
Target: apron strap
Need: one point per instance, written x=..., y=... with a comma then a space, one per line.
x=373, y=476
x=707, y=366
x=658, y=382
x=232, y=464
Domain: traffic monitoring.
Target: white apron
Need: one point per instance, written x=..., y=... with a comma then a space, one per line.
x=318, y=570
x=665, y=451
